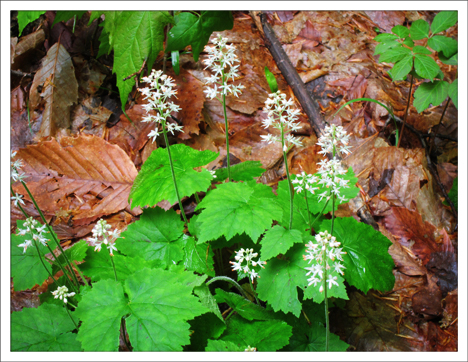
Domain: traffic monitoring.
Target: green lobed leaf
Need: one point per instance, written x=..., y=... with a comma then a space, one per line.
x=266, y=336
x=100, y=311
x=384, y=47
x=279, y=240
x=196, y=30
x=223, y=346
x=198, y=257
x=235, y=208
x=104, y=46
x=202, y=328
x=27, y=270
x=419, y=29
x=385, y=37
x=453, y=60
x=401, y=69
x=110, y=25
x=272, y=83
x=67, y=15
x=46, y=328
x=313, y=293
x=154, y=182
x=98, y=265
x=444, y=20
x=314, y=341
x=421, y=50
x=139, y=36
x=401, y=31
x=368, y=263
x=279, y=280
x=394, y=55
x=244, y=171
x=245, y=308
x=155, y=237
x=453, y=92
x=446, y=45
x=26, y=17
x=160, y=307
x=430, y=93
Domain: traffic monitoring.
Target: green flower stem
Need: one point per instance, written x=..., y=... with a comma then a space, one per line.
x=226, y=126
x=69, y=314
x=168, y=148
x=229, y=280
x=197, y=199
x=229, y=315
x=81, y=274
x=113, y=266
x=49, y=228
x=290, y=187
x=253, y=291
x=308, y=212
x=320, y=214
x=70, y=303
x=42, y=261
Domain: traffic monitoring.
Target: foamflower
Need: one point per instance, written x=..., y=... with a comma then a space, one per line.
x=326, y=257
x=282, y=115
x=157, y=94
x=62, y=294
x=245, y=263
x=221, y=59
x=103, y=235
x=36, y=230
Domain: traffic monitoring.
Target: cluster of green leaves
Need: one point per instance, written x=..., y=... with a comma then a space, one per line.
x=400, y=48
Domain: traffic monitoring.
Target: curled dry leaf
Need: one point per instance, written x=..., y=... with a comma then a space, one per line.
x=85, y=171
x=55, y=87
x=25, y=47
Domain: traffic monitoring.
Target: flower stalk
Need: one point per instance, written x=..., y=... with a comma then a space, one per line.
x=220, y=60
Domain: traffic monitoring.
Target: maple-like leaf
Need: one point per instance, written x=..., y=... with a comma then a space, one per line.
x=156, y=237
x=160, y=307
x=314, y=340
x=223, y=346
x=76, y=171
x=279, y=280
x=244, y=307
x=55, y=86
x=278, y=240
x=154, y=182
x=368, y=263
x=46, y=328
x=235, y=208
x=269, y=335
x=244, y=171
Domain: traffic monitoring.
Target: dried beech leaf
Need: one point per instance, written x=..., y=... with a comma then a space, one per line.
x=55, y=86
x=85, y=171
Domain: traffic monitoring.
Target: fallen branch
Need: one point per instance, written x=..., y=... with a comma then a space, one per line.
x=309, y=105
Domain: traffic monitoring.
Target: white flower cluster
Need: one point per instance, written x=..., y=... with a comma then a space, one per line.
x=334, y=139
x=159, y=91
x=62, y=294
x=247, y=255
x=221, y=58
x=36, y=230
x=250, y=349
x=323, y=255
x=15, y=167
x=281, y=115
x=305, y=182
x=102, y=235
